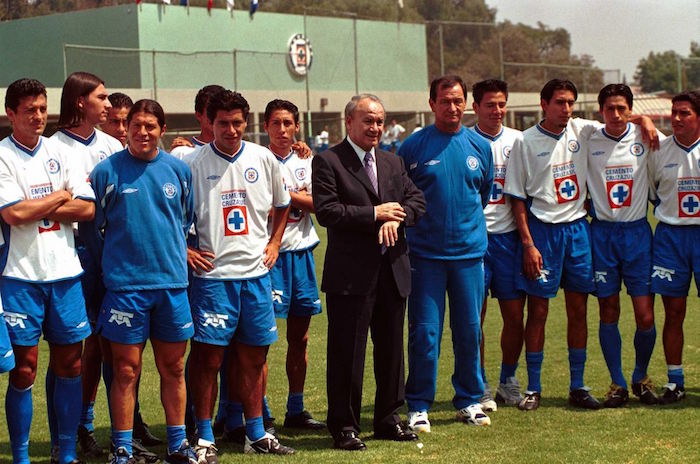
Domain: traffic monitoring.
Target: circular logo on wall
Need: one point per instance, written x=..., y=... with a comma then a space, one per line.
x=300, y=54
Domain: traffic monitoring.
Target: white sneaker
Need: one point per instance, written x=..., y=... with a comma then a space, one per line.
x=509, y=392
x=486, y=401
x=418, y=421
x=206, y=452
x=473, y=415
x=268, y=444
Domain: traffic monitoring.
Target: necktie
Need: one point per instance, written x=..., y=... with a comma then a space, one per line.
x=369, y=161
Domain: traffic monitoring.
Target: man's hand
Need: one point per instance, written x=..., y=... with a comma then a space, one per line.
x=532, y=262
x=181, y=142
x=200, y=260
x=302, y=149
x=389, y=233
x=649, y=134
x=390, y=211
x=271, y=253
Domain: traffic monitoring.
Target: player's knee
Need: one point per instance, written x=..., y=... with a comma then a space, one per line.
x=23, y=375
x=125, y=371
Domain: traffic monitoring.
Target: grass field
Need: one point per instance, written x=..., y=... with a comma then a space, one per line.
x=554, y=433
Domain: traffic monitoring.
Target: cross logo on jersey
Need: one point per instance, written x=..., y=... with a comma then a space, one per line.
x=47, y=225
x=235, y=220
x=15, y=319
x=497, y=197
x=619, y=193
x=567, y=188
x=688, y=204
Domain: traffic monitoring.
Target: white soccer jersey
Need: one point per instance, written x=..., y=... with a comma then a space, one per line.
x=299, y=233
x=41, y=251
x=183, y=151
x=550, y=170
x=674, y=171
x=233, y=197
x=498, y=213
x=86, y=152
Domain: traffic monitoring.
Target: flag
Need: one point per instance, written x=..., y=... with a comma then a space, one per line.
x=229, y=4
x=253, y=7
x=210, y=3
x=400, y=3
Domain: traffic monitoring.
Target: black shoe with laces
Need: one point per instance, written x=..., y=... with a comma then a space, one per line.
x=88, y=444
x=582, y=398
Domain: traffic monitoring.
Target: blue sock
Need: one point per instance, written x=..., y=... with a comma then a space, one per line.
x=254, y=429
x=675, y=375
x=67, y=403
x=295, y=404
x=534, y=370
x=221, y=410
x=507, y=371
x=50, y=411
x=176, y=434
x=611, y=344
x=107, y=377
x=234, y=415
x=87, y=416
x=267, y=414
x=577, y=362
x=644, y=341
x=204, y=430
x=483, y=375
x=123, y=439
x=18, y=409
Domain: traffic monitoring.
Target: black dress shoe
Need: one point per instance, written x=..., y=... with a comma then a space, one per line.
x=348, y=440
x=303, y=420
x=395, y=432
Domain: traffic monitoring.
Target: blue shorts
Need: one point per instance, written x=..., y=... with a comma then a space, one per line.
x=566, y=258
x=498, y=261
x=57, y=308
x=621, y=250
x=676, y=259
x=7, y=356
x=294, y=289
x=131, y=317
x=92, y=285
x=222, y=308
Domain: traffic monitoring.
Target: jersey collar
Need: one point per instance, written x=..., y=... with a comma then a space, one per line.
x=550, y=134
x=24, y=148
x=282, y=160
x=74, y=136
x=622, y=136
x=223, y=155
x=197, y=142
x=684, y=148
x=492, y=138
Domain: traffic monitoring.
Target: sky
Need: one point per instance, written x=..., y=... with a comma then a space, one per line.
x=617, y=33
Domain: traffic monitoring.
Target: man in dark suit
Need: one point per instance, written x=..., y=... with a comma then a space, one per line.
x=365, y=199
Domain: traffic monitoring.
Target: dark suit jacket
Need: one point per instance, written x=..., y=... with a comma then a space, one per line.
x=344, y=201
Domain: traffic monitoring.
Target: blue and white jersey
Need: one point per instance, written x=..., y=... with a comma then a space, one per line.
x=299, y=233
x=549, y=171
x=183, y=151
x=455, y=173
x=233, y=196
x=143, y=212
x=498, y=213
x=674, y=171
x=87, y=152
x=41, y=251
x=618, y=180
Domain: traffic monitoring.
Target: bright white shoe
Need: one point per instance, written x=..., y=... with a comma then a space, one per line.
x=418, y=421
x=486, y=401
x=473, y=415
x=509, y=392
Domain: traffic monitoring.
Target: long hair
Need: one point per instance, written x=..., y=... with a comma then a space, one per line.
x=79, y=84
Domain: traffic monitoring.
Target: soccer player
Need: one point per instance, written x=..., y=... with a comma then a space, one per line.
x=675, y=181
x=115, y=125
x=42, y=192
x=490, y=106
x=236, y=184
x=454, y=168
x=618, y=185
x=181, y=146
x=294, y=290
x=143, y=194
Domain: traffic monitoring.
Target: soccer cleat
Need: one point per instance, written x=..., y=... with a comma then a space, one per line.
x=121, y=456
x=644, y=390
x=418, y=421
x=88, y=444
x=268, y=444
x=581, y=398
x=303, y=420
x=218, y=427
x=509, y=392
x=672, y=393
x=183, y=455
x=473, y=415
x=144, y=435
x=486, y=400
x=530, y=401
x=142, y=455
x=616, y=396
x=236, y=435
x=206, y=452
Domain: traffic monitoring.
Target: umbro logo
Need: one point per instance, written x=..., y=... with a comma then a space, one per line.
x=543, y=153
x=120, y=317
x=670, y=165
x=15, y=319
x=598, y=153
x=130, y=190
x=663, y=273
x=213, y=177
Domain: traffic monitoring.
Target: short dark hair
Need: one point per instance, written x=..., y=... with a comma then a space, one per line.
x=691, y=96
x=120, y=100
x=203, y=96
x=489, y=85
x=150, y=107
x=614, y=90
x=446, y=81
x=278, y=104
x=557, y=84
x=226, y=100
x=79, y=84
x=20, y=89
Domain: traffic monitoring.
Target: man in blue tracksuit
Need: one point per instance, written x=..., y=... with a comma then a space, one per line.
x=453, y=167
